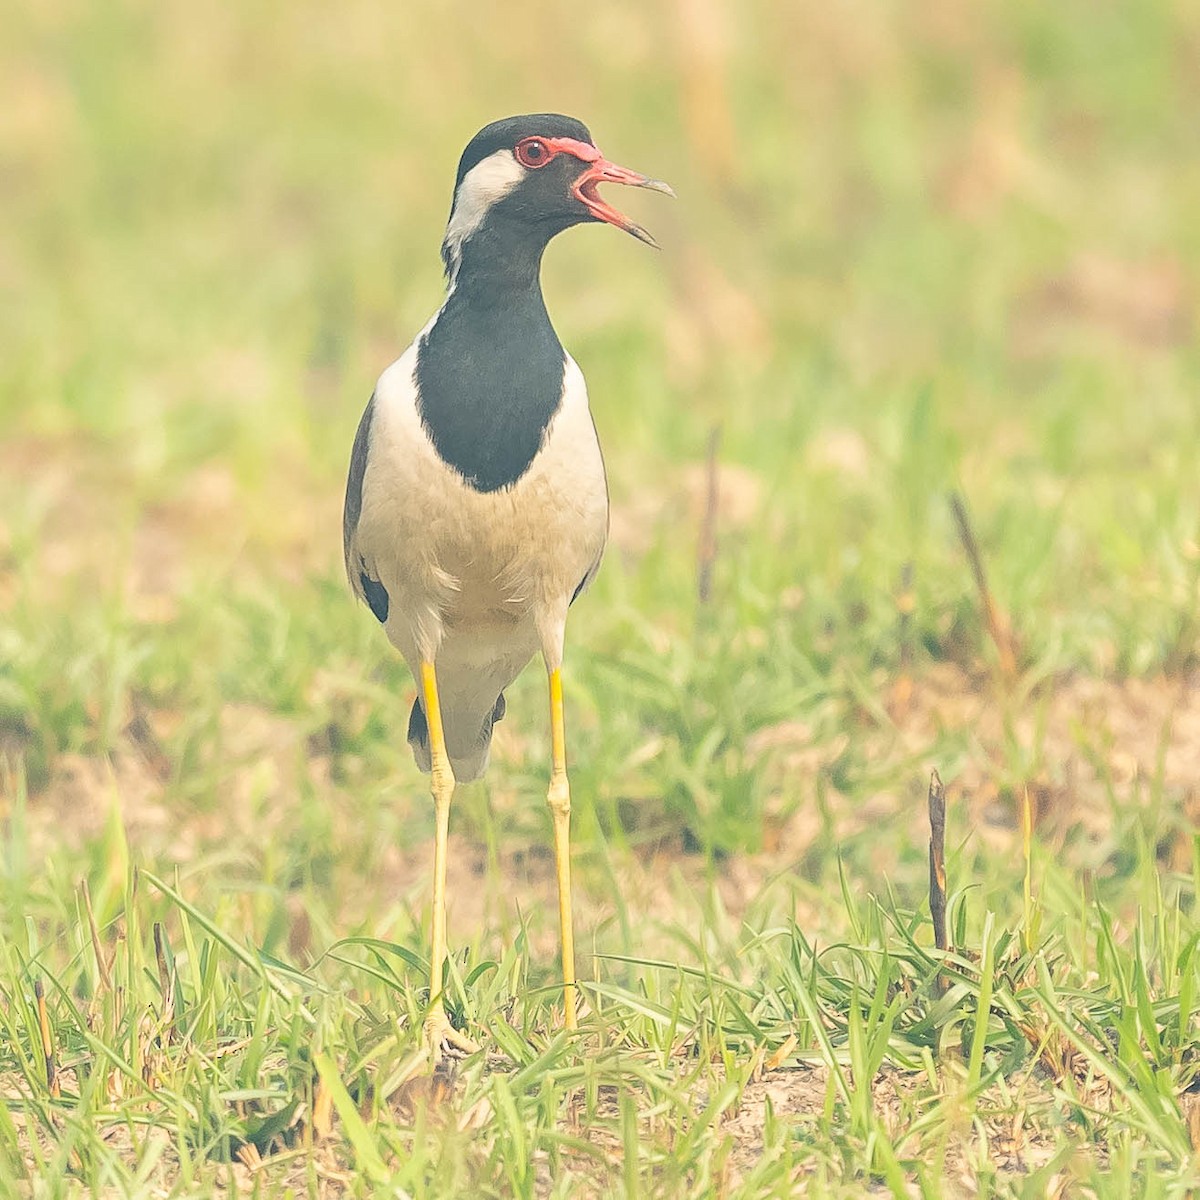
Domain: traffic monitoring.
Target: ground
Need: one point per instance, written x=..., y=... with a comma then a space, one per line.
x=923, y=256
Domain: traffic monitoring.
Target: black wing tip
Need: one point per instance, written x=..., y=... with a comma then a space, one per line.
x=418, y=727
x=352, y=509
x=376, y=597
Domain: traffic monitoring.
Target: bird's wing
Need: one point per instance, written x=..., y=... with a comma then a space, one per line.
x=586, y=581
x=575, y=378
x=364, y=585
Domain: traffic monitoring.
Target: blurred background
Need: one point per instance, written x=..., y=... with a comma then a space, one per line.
x=917, y=248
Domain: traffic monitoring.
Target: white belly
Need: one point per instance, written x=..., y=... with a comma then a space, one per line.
x=473, y=577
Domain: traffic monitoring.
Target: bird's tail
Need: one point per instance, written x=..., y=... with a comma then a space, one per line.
x=468, y=751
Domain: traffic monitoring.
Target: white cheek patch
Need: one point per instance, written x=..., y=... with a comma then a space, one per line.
x=486, y=183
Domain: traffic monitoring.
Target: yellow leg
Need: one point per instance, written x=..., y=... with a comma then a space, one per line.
x=438, y=1029
x=559, y=799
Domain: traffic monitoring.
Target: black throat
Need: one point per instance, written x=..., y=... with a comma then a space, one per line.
x=490, y=369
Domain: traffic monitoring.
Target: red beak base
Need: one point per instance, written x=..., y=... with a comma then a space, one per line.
x=599, y=171
x=602, y=171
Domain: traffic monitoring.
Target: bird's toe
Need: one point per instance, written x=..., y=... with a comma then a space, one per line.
x=440, y=1036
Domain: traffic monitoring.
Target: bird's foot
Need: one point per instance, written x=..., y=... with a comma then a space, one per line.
x=441, y=1036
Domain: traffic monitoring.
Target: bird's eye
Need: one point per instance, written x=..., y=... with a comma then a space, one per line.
x=533, y=152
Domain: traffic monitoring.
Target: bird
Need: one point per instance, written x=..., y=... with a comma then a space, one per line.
x=476, y=507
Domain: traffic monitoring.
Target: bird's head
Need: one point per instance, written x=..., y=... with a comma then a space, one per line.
x=524, y=179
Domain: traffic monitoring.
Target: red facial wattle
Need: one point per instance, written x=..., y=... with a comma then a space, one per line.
x=535, y=153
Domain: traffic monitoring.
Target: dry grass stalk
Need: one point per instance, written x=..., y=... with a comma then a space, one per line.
x=167, y=980
x=780, y=1054
x=1191, y=1112
x=706, y=553
x=102, y=964
x=703, y=30
x=998, y=624
x=906, y=603
x=937, y=864
x=39, y=993
x=322, y=1110
x=1032, y=922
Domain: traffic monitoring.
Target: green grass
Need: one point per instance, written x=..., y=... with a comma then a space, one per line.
x=917, y=249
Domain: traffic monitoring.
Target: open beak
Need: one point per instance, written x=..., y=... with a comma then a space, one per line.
x=602, y=171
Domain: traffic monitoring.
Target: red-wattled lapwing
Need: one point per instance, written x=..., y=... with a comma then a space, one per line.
x=477, y=508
